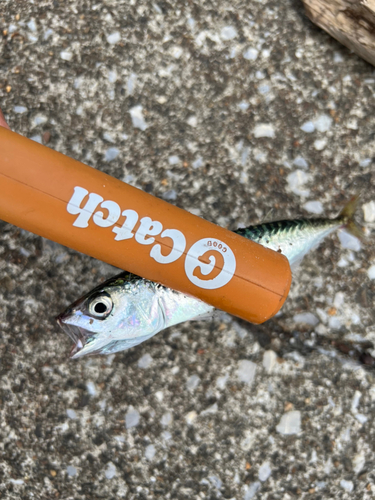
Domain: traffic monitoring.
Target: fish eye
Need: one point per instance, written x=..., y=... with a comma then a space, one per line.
x=100, y=306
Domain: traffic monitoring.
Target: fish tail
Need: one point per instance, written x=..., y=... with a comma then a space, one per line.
x=347, y=217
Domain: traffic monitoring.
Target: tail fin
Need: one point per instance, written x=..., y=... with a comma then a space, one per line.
x=347, y=217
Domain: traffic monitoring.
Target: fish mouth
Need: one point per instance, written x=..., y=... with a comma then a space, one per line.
x=78, y=334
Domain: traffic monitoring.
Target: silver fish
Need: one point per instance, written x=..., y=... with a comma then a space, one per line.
x=295, y=238
x=127, y=310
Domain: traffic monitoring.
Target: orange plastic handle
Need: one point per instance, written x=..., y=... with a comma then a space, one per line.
x=64, y=200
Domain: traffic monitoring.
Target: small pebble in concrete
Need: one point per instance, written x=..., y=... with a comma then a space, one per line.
x=159, y=396
x=173, y=160
x=264, y=471
x=342, y=262
x=62, y=257
x=264, y=88
x=176, y=52
x=300, y=162
x=339, y=300
x=246, y=371
x=347, y=485
x=216, y=482
x=145, y=361
x=138, y=120
x=355, y=319
x=243, y=105
x=170, y=195
x=334, y=323
x=320, y=144
x=191, y=417
x=241, y=332
x=166, y=435
x=71, y=471
x=39, y=120
x=112, y=76
x=150, y=452
x=19, y=109
x=290, y=423
x=296, y=181
x=323, y=123
x=222, y=381
x=264, y=130
x=362, y=419
x=32, y=25
x=37, y=138
x=71, y=413
x=244, y=155
x=114, y=37
x=66, y=55
x=352, y=124
x=192, y=383
x=359, y=461
x=251, y=54
x=349, y=241
x=355, y=401
x=198, y=162
x=251, y=490
x=111, y=154
x=110, y=471
x=91, y=389
x=308, y=127
x=369, y=211
x=306, y=318
x=130, y=85
x=371, y=272
x=131, y=418
x=269, y=360
x=107, y=136
x=192, y=121
x=314, y=207
x=166, y=419
x=365, y=162
x=210, y=410
x=337, y=58
x=228, y=33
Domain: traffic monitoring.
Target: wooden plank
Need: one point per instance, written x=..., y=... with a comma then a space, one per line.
x=351, y=22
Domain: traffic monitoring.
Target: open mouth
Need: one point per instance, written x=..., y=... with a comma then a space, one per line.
x=77, y=334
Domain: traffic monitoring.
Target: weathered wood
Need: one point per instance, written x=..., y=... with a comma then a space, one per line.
x=351, y=22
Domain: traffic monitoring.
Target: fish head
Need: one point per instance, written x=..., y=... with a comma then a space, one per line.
x=119, y=314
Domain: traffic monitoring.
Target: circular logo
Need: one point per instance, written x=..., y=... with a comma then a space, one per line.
x=192, y=263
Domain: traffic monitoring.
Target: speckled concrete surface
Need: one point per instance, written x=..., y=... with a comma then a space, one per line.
x=246, y=107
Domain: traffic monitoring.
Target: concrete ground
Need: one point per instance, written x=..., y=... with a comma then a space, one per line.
x=246, y=108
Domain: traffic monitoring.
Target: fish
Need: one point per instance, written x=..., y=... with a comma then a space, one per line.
x=295, y=238
x=127, y=310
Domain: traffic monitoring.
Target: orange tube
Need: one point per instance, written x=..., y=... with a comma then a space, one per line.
x=64, y=200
